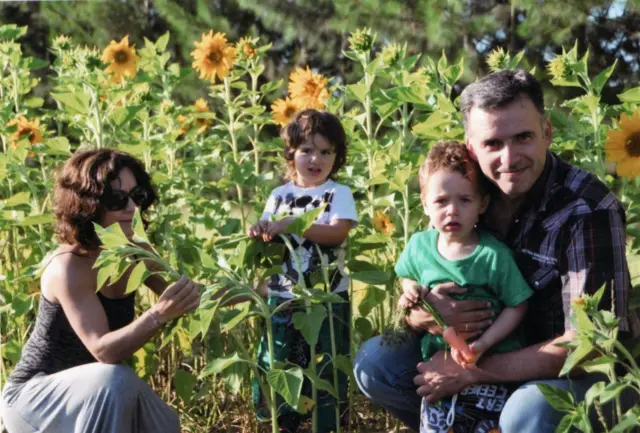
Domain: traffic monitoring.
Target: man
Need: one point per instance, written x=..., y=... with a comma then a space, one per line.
x=568, y=233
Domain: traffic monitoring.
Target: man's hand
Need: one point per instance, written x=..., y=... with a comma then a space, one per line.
x=440, y=377
x=469, y=318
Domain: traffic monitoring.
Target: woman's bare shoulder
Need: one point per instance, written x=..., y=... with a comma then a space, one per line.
x=69, y=268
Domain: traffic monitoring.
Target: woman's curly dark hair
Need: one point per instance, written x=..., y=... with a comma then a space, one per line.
x=82, y=184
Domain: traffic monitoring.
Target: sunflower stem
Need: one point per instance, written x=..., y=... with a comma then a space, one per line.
x=234, y=148
x=96, y=114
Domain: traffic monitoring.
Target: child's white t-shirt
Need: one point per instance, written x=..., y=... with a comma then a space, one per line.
x=293, y=200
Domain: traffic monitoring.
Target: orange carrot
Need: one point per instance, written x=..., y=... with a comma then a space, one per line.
x=457, y=342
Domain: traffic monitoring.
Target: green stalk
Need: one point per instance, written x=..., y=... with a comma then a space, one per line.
x=334, y=352
x=312, y=349
x=369, y=131
x=234, y=148
x=272, y=391
x=96, y=114
x=16, y=99
x=256, y=151
x=405, y=203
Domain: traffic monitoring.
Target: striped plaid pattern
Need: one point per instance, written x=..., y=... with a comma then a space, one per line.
x=569, y=239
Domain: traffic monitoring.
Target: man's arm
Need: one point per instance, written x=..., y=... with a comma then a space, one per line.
x=441, y=377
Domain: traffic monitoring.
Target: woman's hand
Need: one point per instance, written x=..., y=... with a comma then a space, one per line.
x=178, y=299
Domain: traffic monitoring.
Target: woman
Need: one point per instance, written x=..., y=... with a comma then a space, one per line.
x=69, y=378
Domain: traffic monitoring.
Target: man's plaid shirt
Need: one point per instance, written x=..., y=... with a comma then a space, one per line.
x=569, y=239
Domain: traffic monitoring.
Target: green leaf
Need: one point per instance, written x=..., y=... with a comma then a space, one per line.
x=304, y=221
x=17, y=199
x=220, y=364
x=611, y=391
x=600, y=80
x=33, y=220
x=359, y=91
x=309, y=323
x=138, y=228
x=629, y=419
x=33, y=102
x=11, y=350
x=363, y=327
x=236, y=316
x=582, y=320
x=343, y=362
x=104, y=273
x=593, y=393
x=58, y=146
x=161, y=43
x=631, y=95
x=305, y=404
x=320, y=383
x=184, y=382
x=271, y=86
x=414, y=94
x=9, y=32
x=601, y=364
x=374, y=297
x=565, y=424
x=430, y=128
x=74, y=102
x=372, y=277
x=137, y=276
x=287, y=383
x=573, y=359
x=112, y=236
x=558, y=398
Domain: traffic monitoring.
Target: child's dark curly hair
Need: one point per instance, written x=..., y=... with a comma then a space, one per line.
x=305, y=125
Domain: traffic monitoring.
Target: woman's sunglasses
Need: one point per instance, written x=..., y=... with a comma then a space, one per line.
x=116, y=199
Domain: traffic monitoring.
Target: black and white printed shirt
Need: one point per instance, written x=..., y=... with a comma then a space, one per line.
x=293, y=200
x=569, y=239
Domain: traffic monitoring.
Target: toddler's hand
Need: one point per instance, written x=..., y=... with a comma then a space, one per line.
x=468, y=360
x=274, y=228
x=257, y=229
x=412, y=291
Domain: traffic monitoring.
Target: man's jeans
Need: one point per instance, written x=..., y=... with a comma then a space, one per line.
x=385, y=375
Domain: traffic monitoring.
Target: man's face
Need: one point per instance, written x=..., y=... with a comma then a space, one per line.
x=510, y=144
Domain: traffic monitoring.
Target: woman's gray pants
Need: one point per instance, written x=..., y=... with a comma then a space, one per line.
x=91, y=398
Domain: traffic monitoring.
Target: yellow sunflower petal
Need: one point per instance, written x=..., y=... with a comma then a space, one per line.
x=122, y=58
x=213, y=56
x=283, y=111
x=308, y=89
x=628, y=168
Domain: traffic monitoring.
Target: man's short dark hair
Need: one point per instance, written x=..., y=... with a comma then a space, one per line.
x=499, y=89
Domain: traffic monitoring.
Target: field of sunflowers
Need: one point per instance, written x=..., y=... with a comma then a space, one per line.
x=214, y=163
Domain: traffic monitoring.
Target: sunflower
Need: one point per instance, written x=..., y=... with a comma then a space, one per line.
x=498, y=60
x=183, y=121
x=213, y=56
x=309, y=90
x=201, y=106
x=557, y=68
x=62, y=42
x=122, y=57
x=186, y=122
x=283, y=110
x=623, y=145
x=382, y=223
x=26, y=128
x=247, y=47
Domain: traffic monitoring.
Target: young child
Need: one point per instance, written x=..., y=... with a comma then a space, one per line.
x=315, y=149
x=454, y=194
